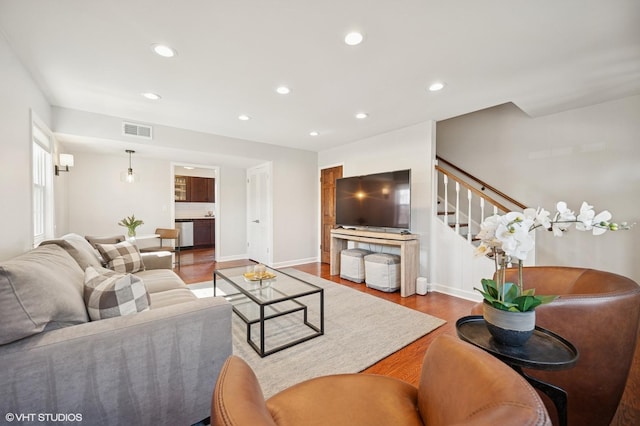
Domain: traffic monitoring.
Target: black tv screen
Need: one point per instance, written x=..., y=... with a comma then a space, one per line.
x=380, y=200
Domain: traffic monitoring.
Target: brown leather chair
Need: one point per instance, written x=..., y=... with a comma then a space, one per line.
x=599, y=313
x=460, y=384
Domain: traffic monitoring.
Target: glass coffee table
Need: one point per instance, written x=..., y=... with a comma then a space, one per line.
x=280, y=309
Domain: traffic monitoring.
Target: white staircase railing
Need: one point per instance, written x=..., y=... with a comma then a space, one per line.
x=467, y=216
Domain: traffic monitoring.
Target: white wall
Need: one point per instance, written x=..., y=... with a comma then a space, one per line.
x=589, y=154
x=294, y=173
x=98, y=199
x=295, y=209
x=231, y=225
x=406, y=148
x=18, y=95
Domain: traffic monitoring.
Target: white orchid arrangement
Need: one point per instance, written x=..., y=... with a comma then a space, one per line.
x=508, y=237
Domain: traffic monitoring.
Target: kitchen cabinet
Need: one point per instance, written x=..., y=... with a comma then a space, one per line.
x=204, y=232
x=181, y=188
x=194, y=189
x=201, y=190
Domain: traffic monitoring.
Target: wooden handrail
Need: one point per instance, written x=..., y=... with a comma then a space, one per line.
x=472, y=189
x=482, y=183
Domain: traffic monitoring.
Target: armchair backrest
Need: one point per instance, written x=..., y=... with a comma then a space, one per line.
x=599, y=312
x=464, y=385
x=238, y=399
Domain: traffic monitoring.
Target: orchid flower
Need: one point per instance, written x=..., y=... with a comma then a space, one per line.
x=508, y=236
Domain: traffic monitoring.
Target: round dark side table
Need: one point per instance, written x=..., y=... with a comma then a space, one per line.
x=545, y=350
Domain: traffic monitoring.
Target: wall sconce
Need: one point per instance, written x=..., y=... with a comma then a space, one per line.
x=129, y=176
x=66, y=161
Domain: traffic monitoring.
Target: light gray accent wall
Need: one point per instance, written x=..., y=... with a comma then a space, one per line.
x=589, y=154
x=406, y=148
x=18, y=96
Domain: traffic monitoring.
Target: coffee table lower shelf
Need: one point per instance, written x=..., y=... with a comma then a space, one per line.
x=261, y=303
x=264, y=317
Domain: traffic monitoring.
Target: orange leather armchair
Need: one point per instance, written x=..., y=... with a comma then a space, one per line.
x=599, y=313
x=460, y=384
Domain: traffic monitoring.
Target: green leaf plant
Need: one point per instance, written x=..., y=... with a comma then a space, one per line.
x=510, y=297
x=131, y=223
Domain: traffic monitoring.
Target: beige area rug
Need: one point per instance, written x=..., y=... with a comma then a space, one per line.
x=359, y=330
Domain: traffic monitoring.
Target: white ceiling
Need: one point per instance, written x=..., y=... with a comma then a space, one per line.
x=545, y=56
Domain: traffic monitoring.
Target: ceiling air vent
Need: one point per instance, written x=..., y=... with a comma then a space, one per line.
x=138, y=130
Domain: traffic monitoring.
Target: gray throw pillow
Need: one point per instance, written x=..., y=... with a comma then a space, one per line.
x=79, y=249
x=108, y=294
x=40, y=290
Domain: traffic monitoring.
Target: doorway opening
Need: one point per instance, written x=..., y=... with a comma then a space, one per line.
x=195, y=209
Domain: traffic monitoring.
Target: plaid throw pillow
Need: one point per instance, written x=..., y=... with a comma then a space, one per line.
x=108, y=294
x=122, y=257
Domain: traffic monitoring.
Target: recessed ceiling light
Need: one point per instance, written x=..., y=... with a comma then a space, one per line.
x=163, y=50
x=188, y=168
x=244, y=117
x=353, y=38
x=438, y=85
x=283, y=90
x=314, y=133
x=362, y=115
x=152, y=96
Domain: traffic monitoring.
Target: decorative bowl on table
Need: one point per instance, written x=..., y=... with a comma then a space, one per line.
x=259, y=276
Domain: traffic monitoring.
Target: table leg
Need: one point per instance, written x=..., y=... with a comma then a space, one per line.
x=262, y=331
x=557, y=395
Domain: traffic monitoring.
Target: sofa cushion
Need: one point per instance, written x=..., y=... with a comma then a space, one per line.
x=79, y=248
x=172, y=297
x=159, y=280
x=122, y=257
x=109, y=294
x=40, y=290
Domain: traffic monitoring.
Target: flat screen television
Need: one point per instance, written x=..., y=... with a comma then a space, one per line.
x=380, y=200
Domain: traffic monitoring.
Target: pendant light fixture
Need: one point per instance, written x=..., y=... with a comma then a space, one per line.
x=129, y=176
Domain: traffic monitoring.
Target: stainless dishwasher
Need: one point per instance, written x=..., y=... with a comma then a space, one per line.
x=186, y=233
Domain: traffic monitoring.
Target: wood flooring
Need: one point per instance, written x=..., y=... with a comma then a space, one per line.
x=198, y=266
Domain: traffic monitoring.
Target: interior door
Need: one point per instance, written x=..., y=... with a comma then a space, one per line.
x=258, y=214
x=328, y=207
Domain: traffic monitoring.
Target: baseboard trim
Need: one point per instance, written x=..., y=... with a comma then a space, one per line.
x=296, y=262
x=230, y=258
x=456, y=292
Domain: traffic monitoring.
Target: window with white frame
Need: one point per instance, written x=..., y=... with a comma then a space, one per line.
x=42, y=206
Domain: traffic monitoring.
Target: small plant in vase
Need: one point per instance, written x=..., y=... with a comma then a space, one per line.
x=131, y=223
x=509, y=310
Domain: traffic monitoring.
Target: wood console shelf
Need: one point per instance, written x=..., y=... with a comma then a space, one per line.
x=409, y=252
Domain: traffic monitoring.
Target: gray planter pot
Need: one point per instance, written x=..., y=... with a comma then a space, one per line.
x=509, y=328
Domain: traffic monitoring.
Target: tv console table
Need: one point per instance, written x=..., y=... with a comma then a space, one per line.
x=409, y=252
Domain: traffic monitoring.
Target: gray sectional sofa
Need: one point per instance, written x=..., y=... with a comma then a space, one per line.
x=155, y=367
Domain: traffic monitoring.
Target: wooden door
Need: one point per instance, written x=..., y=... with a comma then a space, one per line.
x=328, y=207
